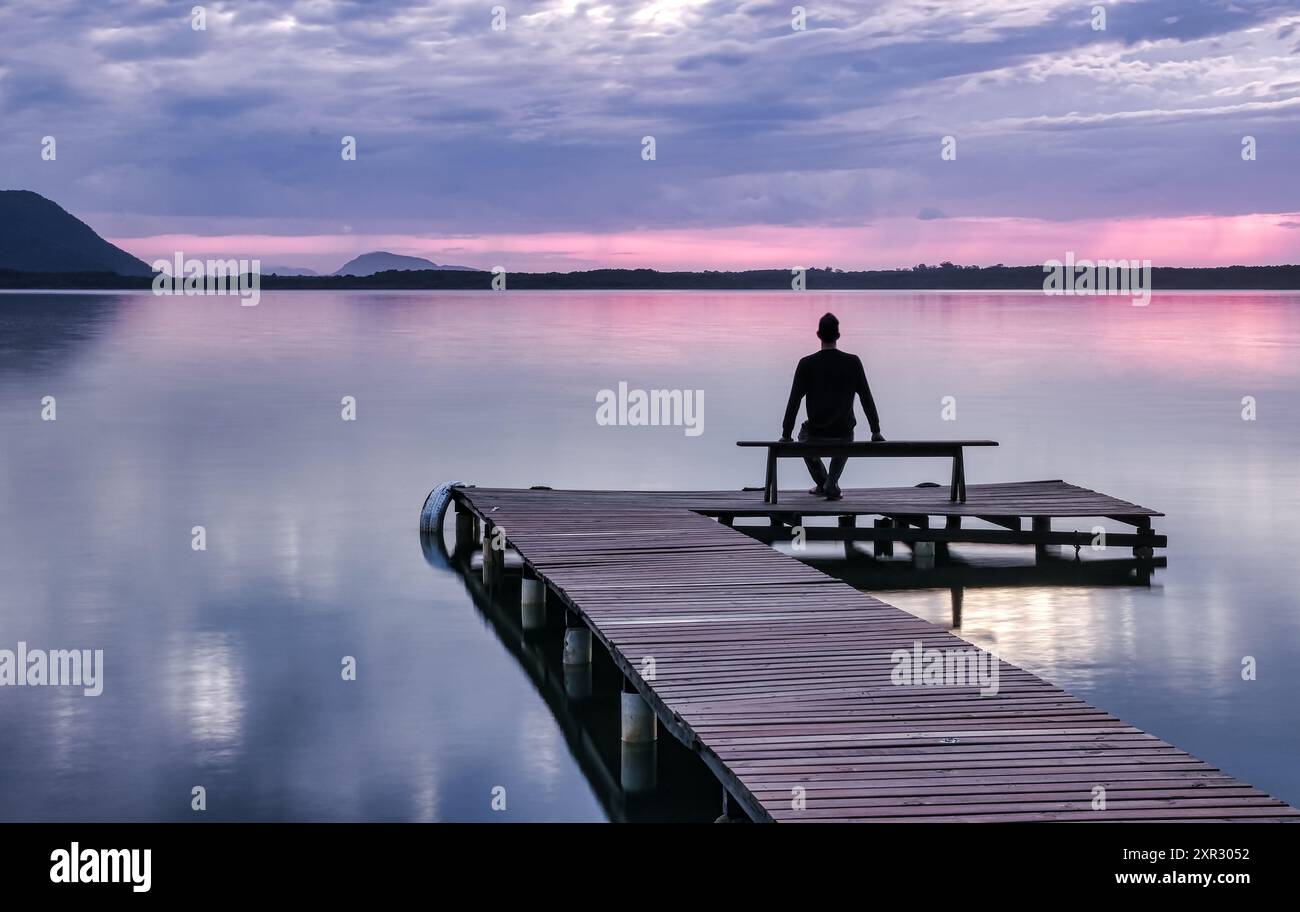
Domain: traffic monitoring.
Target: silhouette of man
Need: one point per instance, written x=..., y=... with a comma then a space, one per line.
x=829, y=379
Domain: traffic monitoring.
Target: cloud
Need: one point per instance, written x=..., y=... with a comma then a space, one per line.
x=462, y=129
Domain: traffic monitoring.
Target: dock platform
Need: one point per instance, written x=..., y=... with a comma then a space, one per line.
x=781, y=678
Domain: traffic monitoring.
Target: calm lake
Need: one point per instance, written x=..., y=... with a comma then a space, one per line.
x=222, y=666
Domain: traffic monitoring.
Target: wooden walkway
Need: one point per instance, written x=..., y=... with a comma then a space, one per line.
x=779, y=676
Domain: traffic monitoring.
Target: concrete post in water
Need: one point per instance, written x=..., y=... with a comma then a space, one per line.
x=494, y=561
x=1143, y=571
x=923, y=555
x=577, y=657
x=884, y=547
x=577, y=641
x=532, y=600
x=639, y=723
x=1041, y=524
x=1144, y=551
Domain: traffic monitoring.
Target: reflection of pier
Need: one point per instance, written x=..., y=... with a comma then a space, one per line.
x=782, y=680
x=867, y=573
x=584, y=699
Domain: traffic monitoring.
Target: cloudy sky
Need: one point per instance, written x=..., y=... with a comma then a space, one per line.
x=775, y=147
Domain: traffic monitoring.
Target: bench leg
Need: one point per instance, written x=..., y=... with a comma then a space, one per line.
x=769, y=479
x=954, y=484
x=961, y=477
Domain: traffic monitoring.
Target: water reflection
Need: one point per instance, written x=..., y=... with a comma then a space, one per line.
x=208, y=674
x=46, y=333
x=222, y=666
x=584, y=701
x=956, y=574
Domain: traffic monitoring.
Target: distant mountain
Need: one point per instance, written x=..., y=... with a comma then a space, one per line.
x=382, y=261
x=287, y=271
x=37, y=235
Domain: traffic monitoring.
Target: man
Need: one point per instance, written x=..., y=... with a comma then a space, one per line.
x=829, y=379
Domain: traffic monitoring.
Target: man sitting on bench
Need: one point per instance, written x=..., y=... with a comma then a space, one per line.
x=829, y=379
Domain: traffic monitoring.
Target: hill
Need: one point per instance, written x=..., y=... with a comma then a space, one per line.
x=38, y=235
x=383, y=261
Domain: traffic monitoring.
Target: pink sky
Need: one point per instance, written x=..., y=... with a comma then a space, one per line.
x=1182, y=241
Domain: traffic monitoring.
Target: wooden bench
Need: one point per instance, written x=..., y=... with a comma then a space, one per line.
x=781, y=449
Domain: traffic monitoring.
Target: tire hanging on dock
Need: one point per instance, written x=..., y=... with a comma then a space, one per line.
x=431, y=516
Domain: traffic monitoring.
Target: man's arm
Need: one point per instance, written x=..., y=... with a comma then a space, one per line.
x=792, y=407
x=868, y=403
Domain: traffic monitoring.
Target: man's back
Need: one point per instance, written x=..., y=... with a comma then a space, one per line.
x=829, y=379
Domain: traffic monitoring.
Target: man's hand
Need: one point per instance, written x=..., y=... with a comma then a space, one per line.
x=877, y=437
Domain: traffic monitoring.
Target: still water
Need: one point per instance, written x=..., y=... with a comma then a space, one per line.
x=222, y=666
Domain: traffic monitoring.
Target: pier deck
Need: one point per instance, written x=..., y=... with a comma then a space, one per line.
x=779, y=676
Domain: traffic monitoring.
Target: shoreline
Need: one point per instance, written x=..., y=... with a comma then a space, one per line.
x=935, y=279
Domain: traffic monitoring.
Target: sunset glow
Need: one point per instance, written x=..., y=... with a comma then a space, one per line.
x=889, y=244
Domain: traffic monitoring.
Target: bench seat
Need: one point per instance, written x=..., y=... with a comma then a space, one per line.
x=947, y=449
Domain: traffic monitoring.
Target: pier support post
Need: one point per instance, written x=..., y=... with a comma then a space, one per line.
x=494, y=562
x=532, y=600
x=732, y=812
x=952, y=524
x=577, y=657
x=577, y=641
x=957, y=593
x=923, y=555
x=1144, y=550
x=1041, y=525
x=848, y=521
x=884, y=547
x=639, y=723
x=467, y=533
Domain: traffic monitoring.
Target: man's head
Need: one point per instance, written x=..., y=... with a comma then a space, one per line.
x=828, y=328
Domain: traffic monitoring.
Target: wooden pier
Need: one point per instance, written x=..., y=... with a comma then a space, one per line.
x=779, y=676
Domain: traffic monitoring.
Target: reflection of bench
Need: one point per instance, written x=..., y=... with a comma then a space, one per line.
x=777, y=449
